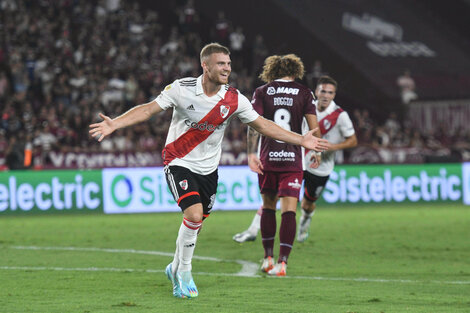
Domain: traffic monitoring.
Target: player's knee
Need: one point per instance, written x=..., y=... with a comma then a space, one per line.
x=194, y=213
x=308, y=205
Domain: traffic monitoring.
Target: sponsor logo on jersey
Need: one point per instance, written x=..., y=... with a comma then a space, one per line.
x=283, y=101
x=202, y=126
x=282, y=154
x=285, y=90
x=184, y=184
x=271, y=91
x=191, y=108
x=224, y=109
x=168, y=87
x=295, y=184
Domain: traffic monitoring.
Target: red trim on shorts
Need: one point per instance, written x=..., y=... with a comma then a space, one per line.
x=309, y=197
x=192, y=193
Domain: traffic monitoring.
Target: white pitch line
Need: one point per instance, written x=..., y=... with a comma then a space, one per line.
x=249, y=269
x=113, y=269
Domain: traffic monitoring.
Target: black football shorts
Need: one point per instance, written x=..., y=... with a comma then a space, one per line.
x=189, y=188
x=314, y=185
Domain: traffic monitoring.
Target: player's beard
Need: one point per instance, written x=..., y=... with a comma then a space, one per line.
x=218, y=79
x=221, y=80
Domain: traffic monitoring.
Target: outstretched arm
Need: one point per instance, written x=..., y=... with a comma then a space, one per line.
x=349, y=142
x=135, y=115
x=272, y=130
x=252, y=144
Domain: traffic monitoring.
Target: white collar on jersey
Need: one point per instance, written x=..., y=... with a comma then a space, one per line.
x=283, y=80
x=200, y=91
x=330, y=108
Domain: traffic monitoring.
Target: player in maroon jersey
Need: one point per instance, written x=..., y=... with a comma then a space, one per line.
x=279, y=165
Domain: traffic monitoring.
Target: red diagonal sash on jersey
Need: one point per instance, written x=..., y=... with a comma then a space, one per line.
x=194, y=136
x=329, y=121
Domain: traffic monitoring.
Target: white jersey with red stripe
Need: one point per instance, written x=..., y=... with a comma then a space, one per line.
x=335, y=125
x=197, y=127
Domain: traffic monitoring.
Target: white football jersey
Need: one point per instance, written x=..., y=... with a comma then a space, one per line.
x=335, y=125
x=197, y=127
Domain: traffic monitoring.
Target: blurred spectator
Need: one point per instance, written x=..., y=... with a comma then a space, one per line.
x=259, y=54
x=3, y=141
x=14, y=154
x=381, y=138
x=416, y=139
x=222, y=26
x=392, y=125
x=315, y=72
x=45, y=140
x=237, y=46
x=4, y=85
x=188, y=18
x=407, y=87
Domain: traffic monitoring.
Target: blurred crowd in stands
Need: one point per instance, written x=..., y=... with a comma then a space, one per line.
x=64, y=61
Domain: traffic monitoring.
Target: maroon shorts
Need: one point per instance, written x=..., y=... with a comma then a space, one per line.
x=282, y=184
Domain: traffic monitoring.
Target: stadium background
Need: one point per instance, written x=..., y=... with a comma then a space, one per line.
x=62, y=62
x=391, y=233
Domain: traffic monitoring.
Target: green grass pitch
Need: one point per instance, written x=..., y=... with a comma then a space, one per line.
x=404, y=258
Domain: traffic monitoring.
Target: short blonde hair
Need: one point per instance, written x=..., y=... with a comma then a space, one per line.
x=278, y=66
x=211, y=48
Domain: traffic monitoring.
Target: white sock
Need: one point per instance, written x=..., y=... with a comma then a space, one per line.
x=176, y=257
x=187, y=237
x=255, y=224
x=307, y=215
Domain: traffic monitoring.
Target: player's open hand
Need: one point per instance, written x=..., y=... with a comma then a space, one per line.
x=311, y=142
x=255, y=164
x=102, y=129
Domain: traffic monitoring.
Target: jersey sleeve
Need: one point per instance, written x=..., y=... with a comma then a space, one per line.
x=245, y=111
x=168, y=98
x=257, y=101
x=310, y=105
x=345, y=124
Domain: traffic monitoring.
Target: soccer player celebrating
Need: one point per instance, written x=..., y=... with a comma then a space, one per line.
x=202, y=109
x=279, y=167
x=337, y=128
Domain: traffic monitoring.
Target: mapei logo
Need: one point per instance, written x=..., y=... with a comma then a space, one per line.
x=284, y=90
x=271, y=91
